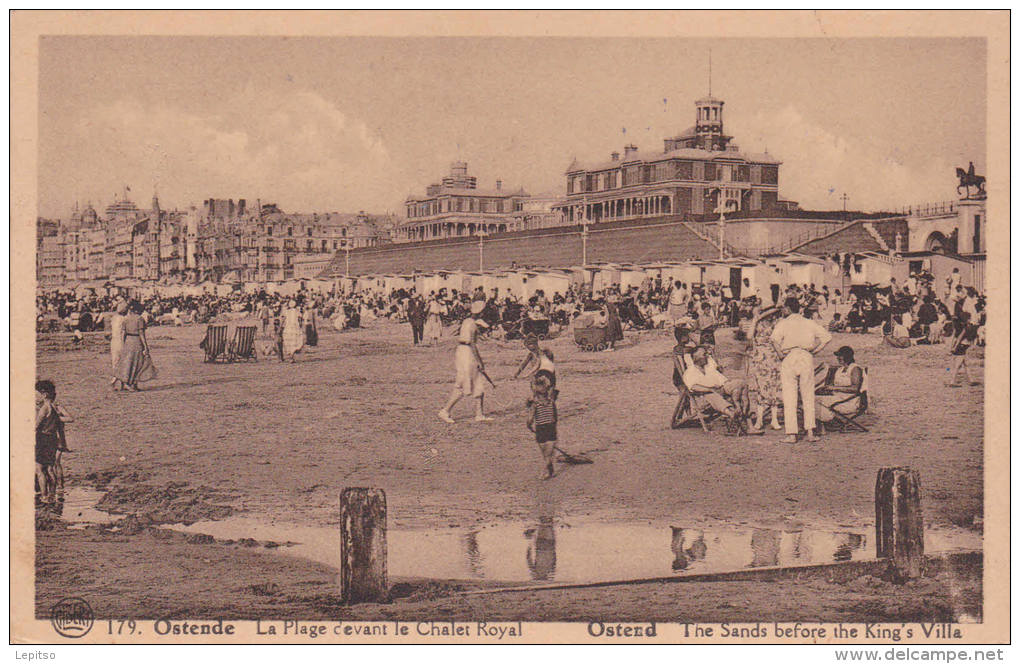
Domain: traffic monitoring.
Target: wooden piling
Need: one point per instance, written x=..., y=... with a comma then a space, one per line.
x=363, y=545
x=899, y=528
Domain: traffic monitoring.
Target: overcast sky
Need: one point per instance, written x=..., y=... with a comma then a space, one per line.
x=347, y=124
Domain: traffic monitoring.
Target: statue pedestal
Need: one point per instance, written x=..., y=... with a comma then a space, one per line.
x=972, y=224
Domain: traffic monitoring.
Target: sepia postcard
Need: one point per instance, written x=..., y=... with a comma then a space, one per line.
x=515, y=327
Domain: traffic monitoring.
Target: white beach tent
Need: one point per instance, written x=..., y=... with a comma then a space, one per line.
x=550, y=282
x=631, y=276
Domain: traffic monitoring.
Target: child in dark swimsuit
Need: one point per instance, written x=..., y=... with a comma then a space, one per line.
x=542, y=420
x=49, y=440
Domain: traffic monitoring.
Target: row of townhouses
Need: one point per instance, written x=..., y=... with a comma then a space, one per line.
x=224, y=240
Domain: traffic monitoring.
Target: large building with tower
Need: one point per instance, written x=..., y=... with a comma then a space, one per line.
x=700, y=171
x=456, y=207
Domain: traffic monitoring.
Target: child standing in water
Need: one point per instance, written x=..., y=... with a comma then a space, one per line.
x=542, y=420
x=49, y=440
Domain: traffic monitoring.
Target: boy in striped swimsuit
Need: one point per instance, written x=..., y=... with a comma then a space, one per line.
x=542, y=420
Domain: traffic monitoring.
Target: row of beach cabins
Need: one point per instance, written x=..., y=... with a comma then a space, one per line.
x=761, y=275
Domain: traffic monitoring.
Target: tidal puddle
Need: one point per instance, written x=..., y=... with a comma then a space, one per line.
x=546, y=551
x=78, y=507
x=550, y=550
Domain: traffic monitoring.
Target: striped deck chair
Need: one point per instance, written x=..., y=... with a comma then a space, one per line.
x=214, y=343
x=243, y=345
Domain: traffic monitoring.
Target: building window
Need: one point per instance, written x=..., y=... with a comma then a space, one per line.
x=770, y=175
x=710, y=172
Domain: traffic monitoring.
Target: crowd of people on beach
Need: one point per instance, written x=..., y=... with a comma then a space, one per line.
x=732, y=354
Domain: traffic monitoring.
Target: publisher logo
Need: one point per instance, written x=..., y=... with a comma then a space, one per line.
x=72, y=617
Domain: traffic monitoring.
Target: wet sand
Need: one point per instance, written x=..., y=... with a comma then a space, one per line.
x=278, y=442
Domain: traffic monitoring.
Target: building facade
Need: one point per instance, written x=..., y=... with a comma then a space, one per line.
x=262, y=246
x=699, y=172
x=49, y=253
x=456, y=207
x=219, y=240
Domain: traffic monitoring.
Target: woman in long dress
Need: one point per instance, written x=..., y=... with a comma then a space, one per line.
x=433, y=323
x=293, y=334
x=133, y=363
x=764, y=365
x=613, y=324
x=116, y=341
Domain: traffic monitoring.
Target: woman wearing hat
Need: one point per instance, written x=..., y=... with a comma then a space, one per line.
x=842, y=382
x=469, y=366
x=117, y=340
x=133, y=361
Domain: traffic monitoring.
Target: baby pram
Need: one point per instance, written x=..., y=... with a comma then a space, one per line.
x=591, y=338
x=538, y=327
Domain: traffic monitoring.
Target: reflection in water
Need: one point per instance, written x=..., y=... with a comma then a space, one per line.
x=684, y=555
x=552, y=550
x=474, y=555
x=541, y=555
x=56, y=507
x=765, y=547
x=845, y=549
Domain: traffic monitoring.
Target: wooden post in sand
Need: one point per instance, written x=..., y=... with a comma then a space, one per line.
x=363, y=545
x=899, y=529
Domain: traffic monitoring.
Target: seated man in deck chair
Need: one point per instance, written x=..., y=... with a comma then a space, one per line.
x=844, y=392
x=708, y=385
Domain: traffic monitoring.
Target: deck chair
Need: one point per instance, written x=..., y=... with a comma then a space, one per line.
x=846, y=411
x=704, y=412
x=243, y=345
x=214, y=343
x=686, y=413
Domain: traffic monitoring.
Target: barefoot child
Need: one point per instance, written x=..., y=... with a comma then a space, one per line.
x=49, y=445
x=542, y=420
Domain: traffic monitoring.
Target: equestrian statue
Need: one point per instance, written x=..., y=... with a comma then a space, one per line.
x=969, y=179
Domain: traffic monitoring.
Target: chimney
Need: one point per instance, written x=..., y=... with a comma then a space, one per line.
x=499, y=185
x=628, y=150
x=615, y=156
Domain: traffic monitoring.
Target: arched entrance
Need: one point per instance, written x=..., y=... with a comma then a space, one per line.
x=937, y=243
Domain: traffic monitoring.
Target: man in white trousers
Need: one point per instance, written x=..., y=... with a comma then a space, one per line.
x=797, y=339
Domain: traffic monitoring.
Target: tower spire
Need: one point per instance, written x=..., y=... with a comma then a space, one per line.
x=709, y=72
